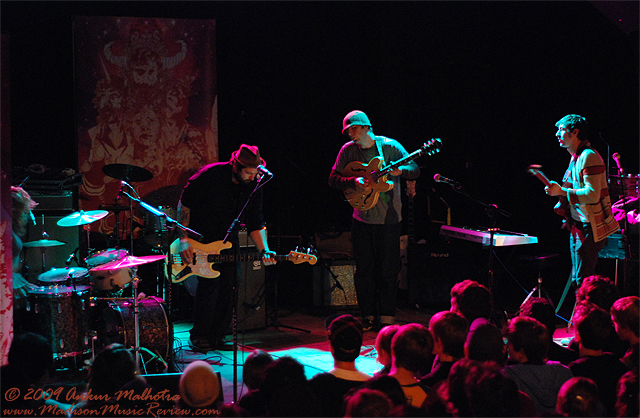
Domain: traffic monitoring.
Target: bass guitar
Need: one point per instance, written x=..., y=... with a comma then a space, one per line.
x=377, y=175
x=561, y=207
x=205, y=256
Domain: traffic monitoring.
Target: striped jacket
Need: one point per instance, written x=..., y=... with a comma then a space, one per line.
x=586, y=182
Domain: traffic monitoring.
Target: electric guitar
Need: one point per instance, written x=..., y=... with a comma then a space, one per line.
x=377, y=175
x=561, y=207
x=206, y=255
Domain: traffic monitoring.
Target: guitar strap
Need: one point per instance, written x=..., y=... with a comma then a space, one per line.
x=379, y=146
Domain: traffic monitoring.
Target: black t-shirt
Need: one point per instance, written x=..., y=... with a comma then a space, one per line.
x=215, y=201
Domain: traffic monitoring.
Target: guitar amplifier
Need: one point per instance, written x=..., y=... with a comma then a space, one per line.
x=325, y=290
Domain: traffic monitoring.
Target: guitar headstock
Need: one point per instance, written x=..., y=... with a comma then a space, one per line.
x=431, y=147
x=299, y=257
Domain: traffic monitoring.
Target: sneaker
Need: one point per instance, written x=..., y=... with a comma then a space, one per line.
x=367, y=324
x=200, y=344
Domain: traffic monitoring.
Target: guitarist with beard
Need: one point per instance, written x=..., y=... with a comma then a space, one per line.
x=375, y=231
x=210, y=201
x=584, y=192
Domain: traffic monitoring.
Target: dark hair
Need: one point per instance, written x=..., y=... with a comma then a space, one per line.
x=254, y=368
x=578, y=397
x=625, y=312
x=531, y=336
x=599, y=290
x=472, y=299
x=542, y=310
x=593, y=325
x=113, y=367
x=451, y=329
x=283, y=371
x=627, y=395
x=411, y=346
x=368, y=403
x=31, y=356
x=572, y=122
x=485, y=343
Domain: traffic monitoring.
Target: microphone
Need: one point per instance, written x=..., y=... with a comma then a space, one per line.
x=616, y=157
x=441, y=179
x=71, y=257
x=264, y=171
x=124, y=183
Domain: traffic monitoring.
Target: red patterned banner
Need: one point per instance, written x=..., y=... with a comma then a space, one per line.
x=146, y=102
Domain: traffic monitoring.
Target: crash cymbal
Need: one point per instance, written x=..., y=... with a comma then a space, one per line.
x=127, y=172
x=43, y=243
x=82, y=217
x=128, y=262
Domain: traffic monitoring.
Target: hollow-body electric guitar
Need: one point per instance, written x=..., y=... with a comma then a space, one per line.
x=206, y=255
x=377, y=175
x=561, y=208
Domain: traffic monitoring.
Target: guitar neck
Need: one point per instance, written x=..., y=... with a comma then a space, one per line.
x=385, y=170
x=222, y=258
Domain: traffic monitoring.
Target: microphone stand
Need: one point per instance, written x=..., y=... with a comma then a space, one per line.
x=234, y=314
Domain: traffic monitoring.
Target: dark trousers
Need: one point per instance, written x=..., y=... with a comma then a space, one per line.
x=376, y=249
x=212, y=310
x=584, y=252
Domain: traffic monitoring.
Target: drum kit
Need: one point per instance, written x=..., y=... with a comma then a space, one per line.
x=78, y=308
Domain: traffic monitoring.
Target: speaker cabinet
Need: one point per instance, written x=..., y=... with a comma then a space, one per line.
x=252, y=312
x=325, y=289
x=41, y=259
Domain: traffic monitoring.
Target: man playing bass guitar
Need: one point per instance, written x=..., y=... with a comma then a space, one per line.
x=376, y=231
x=210, y=202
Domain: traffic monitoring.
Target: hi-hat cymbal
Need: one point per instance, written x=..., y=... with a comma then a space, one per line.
x=127, y=172
x=128, y=262
x=56, y=275
x=43, y=243
x=82, y=218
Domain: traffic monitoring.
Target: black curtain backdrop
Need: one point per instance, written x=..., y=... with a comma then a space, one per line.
x=489, y=78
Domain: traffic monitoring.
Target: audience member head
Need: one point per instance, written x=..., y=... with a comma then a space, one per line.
x=286, y=389
x=480, y=389
x=449, y=331
x=199, y=385
x=578, y=397
x=254, y=368
x=30, y=358
x=471, y=300
x=283, y=371
x=527, y=340
x=627, y=395
x=486, y=343
x=593, y=326
x=542, y=310
x=345, y=337
x=390, y=386
x=626, y=317
x=598, y=290
x=113, y=367
x=383, y=344
x=411, y=347
x=368, y=403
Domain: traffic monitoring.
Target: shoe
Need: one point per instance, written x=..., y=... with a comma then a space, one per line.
x=200, y=344
x=367, y=324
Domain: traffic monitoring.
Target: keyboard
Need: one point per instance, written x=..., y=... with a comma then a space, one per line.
x=483, y=236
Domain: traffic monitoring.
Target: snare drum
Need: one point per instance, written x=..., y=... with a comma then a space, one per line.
x=626, y=186
x=110, y=279
x=59, y=276
x=61, y=316
x=155, y=329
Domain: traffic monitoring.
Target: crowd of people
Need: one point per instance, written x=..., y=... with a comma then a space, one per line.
x=458, y=365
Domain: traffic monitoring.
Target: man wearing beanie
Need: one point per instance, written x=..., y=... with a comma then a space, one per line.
x=210, y=202
x=345, y=340
x=376, y=231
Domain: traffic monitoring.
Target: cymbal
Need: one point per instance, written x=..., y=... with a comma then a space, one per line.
x=82, y=217
x=127, y=172
x=43, y=243
x=128, y=262
x=56, y=275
